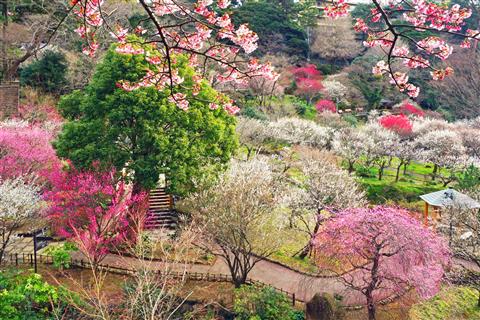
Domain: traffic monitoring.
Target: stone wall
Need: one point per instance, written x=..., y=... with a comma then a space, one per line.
x=9, y=99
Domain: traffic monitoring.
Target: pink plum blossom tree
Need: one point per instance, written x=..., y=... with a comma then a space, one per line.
x=92, y=209
x=382, y=252
x=25, y=150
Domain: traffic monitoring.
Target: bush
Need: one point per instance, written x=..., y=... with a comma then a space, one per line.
x=25, y=296
x=350, y=119
x=365, y=172
x=263, y=303
x=305, y=110
x=452, y=303
x=252, y=112
x=61, y=255
x=48, y=73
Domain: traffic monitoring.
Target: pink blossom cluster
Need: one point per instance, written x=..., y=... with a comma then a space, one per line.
x=409, y=109
x=437, y=16
x=471, y=34
x=326, y=105
x=308, y=80
x=399, y=124
x=337, y=9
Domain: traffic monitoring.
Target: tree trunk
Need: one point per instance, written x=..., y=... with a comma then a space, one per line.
x=434, y=173
x=380, y=172
x=371, y=310
x=350, y=167
x=4, y=36
x=397, y=174
x=307, y=250
x=405, y=167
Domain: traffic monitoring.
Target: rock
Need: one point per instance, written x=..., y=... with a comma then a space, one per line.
x=320, y=308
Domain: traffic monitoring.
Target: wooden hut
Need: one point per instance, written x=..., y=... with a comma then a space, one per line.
x=446, y=198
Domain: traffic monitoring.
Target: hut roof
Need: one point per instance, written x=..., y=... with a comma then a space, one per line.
x=450, y=198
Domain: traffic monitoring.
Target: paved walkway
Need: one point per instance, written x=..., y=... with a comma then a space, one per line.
x=303, y=286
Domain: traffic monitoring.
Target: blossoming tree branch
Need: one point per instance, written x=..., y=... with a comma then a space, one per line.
x=203, y=30
x=387, y=27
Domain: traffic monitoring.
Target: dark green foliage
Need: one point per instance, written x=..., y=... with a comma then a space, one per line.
x=373, y=89
x=469, y=179
x=142, y=130
x=275, y=28
x=48, y=73
x=305, y=110
x=327, y=69
x=254, y=113
x=263, y=303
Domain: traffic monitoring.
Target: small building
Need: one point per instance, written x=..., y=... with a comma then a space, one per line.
x=447, y=198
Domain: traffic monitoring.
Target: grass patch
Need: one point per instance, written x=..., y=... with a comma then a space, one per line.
x=382, y=191
x=454, y=303
x=291, y=246
x=305, y=265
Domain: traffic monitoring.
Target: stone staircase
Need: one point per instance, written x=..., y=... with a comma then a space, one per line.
x=161, y=213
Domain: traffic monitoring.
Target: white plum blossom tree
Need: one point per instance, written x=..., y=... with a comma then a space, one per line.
x=349, y=143
x=322, y=191
x=19, y=202
x=445, y=150
x=252, y=134
x=384, y=142
x=301, y=132
x=240, y=216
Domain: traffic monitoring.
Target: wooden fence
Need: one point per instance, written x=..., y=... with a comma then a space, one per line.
x=29, y=259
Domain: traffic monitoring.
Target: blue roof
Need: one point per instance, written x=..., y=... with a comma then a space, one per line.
x=450, y=198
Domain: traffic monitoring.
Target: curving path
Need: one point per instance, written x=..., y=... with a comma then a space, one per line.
x=303, y=286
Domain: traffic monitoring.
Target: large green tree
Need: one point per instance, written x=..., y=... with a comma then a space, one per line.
x=141, y=131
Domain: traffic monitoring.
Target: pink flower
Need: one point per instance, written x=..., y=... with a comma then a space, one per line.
x=223, y=4
x=180, y=100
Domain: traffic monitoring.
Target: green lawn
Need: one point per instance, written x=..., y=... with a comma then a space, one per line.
x=406, y=191
x=454, y=303
x=295, y=242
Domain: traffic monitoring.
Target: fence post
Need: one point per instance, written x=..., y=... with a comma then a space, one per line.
x=31, y=259
x=16, y=259
x=293, y=299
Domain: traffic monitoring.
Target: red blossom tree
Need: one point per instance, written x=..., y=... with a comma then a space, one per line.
x=326, y=105
x=409, y=109
x=25, y=151
x=382, y=252
x=399, y=124
x=308, y=81
x=94, y=210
